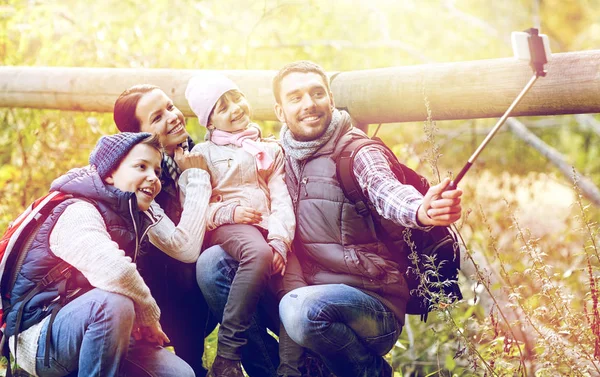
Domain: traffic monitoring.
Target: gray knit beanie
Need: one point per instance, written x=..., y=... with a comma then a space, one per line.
x=112, y=149
x=204, y=90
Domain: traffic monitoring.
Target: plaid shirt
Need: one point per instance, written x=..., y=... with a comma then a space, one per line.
x=393, y=200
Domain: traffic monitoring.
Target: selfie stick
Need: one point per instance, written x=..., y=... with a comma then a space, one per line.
x=538, y=58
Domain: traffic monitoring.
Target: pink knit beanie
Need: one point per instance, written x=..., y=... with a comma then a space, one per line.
x=204, y=90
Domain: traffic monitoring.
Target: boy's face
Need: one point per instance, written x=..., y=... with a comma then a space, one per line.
x=158, y=115
x=231, y=113
x=138, y=173
x=305, y=105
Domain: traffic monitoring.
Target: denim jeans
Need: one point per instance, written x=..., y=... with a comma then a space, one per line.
x=348, y=328
x=91, y=337
x=215, y=271
x=247, y=245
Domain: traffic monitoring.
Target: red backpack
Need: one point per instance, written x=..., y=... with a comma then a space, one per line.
x=13, y=250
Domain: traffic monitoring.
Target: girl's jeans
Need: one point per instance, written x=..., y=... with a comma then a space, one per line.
x=215, y=271
x=247, y=245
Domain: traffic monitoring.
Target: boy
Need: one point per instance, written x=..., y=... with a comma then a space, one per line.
x=112, y=326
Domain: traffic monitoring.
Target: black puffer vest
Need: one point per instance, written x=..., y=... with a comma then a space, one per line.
x=124, y=222
x=336, y=245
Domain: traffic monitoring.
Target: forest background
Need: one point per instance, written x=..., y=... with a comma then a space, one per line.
x=530, y=272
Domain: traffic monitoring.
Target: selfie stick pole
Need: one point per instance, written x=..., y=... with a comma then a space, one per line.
x=538, y=59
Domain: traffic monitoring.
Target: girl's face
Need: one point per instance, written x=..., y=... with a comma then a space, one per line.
x=158, y=115
x=138, y=173
x=231, y=113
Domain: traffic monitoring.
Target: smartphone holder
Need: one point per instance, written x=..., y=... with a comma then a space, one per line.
x=527, y=45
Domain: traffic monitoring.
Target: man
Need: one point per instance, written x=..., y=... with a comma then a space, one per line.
x=352, y=311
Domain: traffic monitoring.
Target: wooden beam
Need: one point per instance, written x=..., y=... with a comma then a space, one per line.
x=96, y=89
x=469, y=90
x=462, y=90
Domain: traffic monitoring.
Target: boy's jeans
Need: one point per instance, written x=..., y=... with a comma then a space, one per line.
x=349, y=329
x=215, y=271
x=91, y=337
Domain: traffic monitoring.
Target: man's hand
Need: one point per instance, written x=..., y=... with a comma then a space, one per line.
x=440, y=208
x=153, y=334
x=186, y=160
x=246, y=215
x=278, y=264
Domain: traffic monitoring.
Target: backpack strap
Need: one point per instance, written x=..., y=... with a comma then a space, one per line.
x=62, y=294
x=62, y=271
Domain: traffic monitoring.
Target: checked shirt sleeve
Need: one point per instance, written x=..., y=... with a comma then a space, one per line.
x=392, y=200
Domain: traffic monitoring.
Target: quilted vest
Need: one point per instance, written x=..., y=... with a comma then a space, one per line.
x=336, y=245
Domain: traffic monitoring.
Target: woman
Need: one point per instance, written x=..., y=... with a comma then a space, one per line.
x=146, y=108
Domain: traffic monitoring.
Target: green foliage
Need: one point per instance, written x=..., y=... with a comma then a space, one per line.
x=532, y=243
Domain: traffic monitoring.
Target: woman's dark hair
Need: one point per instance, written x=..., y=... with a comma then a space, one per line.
x=125, y=106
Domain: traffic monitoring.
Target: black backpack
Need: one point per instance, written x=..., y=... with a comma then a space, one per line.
x=433, y=264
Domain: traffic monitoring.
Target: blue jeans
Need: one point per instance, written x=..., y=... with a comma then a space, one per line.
x=348, y=328
x=215, y=271
x=91, y=337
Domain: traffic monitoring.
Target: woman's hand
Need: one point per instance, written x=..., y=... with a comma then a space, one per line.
x=246, y=215
x=186, y=160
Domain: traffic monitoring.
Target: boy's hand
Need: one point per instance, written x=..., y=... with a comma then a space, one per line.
x=440, y=208
x=246, y=215
x=186, y=160
x=278, y=264
x=154, y=334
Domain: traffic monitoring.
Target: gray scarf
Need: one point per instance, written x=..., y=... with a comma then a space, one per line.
x=299, y=151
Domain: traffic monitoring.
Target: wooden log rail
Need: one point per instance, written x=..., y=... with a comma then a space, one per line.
x=462, y=90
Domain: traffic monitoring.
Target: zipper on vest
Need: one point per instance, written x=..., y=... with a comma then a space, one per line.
x=137, y=240
x=304, y=182
x=154, y=223
x=296, y=197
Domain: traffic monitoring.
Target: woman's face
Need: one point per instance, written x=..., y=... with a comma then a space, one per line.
x=158, y=115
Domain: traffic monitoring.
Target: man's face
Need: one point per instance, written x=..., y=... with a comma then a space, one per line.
x=305, y=105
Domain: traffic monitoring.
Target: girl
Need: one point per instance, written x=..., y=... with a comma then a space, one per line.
x=251, y=214
x=99, y=232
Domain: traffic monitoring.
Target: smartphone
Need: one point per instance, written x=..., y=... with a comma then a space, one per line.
x=520, y=45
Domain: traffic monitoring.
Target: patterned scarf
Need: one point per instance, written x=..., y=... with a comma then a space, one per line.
x=174, y=170
x=298, y=151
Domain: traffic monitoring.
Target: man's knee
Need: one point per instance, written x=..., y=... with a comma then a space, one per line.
x=295, y=317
